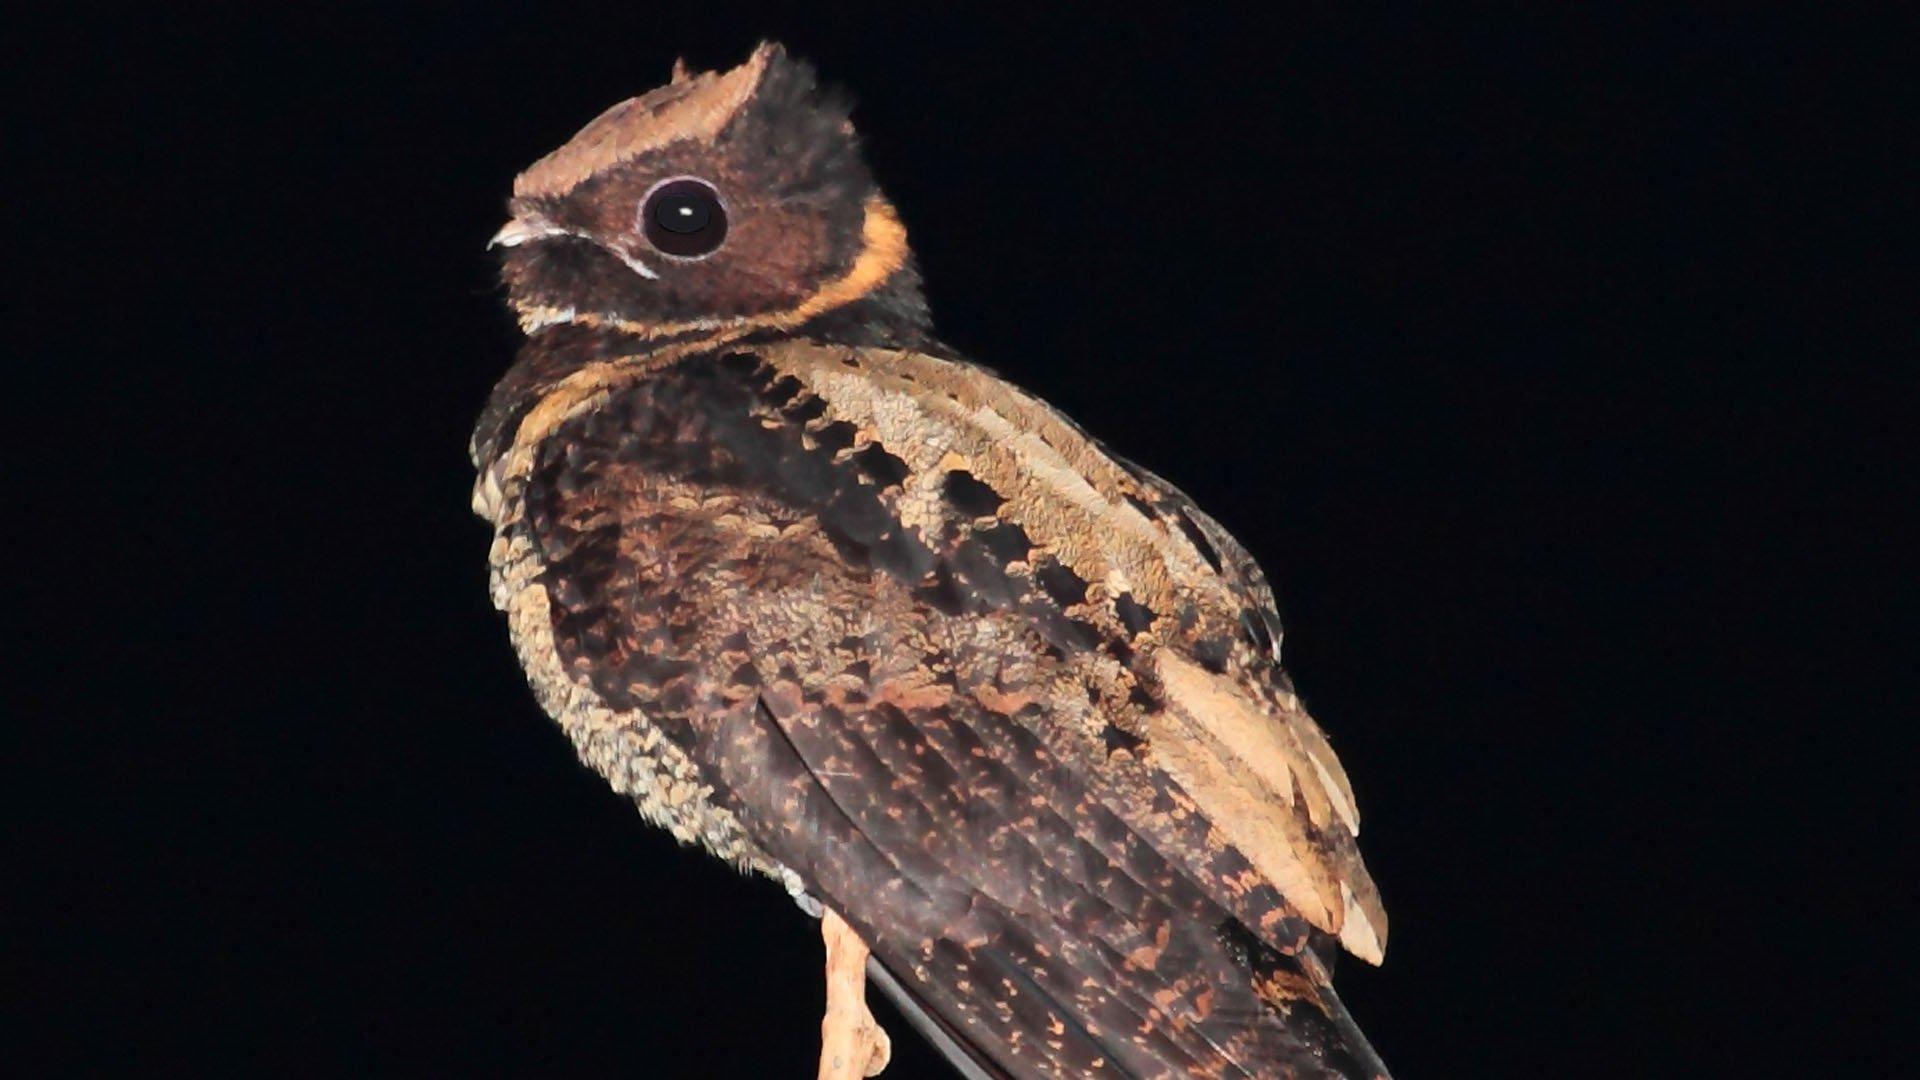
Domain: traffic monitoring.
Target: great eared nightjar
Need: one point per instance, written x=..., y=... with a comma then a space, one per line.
x=820, y=595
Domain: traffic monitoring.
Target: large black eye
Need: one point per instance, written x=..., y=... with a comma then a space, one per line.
x=684, y=218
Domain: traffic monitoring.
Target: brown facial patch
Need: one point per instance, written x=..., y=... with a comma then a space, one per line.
x=807, y=232
x=775, y=256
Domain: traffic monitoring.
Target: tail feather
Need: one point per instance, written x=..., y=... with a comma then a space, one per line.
x=1298, y=989
x=991, y=1008
x=1363, y=1060
x=966, y=1057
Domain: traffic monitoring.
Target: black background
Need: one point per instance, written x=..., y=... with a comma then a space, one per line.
x=1534, y=357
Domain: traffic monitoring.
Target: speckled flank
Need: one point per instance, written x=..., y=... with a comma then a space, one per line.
x=853, y=613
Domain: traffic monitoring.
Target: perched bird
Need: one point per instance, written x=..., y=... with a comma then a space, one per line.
x=847, y=610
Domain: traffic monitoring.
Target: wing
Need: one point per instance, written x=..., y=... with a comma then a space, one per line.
x=885, y=627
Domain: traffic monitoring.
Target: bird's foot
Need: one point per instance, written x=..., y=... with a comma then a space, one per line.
x=852, y=1044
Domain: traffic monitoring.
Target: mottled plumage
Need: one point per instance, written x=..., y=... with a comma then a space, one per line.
x=854, y=613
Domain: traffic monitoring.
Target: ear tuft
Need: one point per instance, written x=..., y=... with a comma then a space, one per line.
x=695, y=106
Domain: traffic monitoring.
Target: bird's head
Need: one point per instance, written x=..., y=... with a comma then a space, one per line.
x=719, y=204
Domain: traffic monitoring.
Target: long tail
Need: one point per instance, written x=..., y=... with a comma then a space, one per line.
x=1279, y=1019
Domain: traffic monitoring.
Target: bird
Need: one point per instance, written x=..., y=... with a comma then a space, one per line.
x=846, y=609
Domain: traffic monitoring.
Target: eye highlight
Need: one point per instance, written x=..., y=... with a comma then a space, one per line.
x=684, y=218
